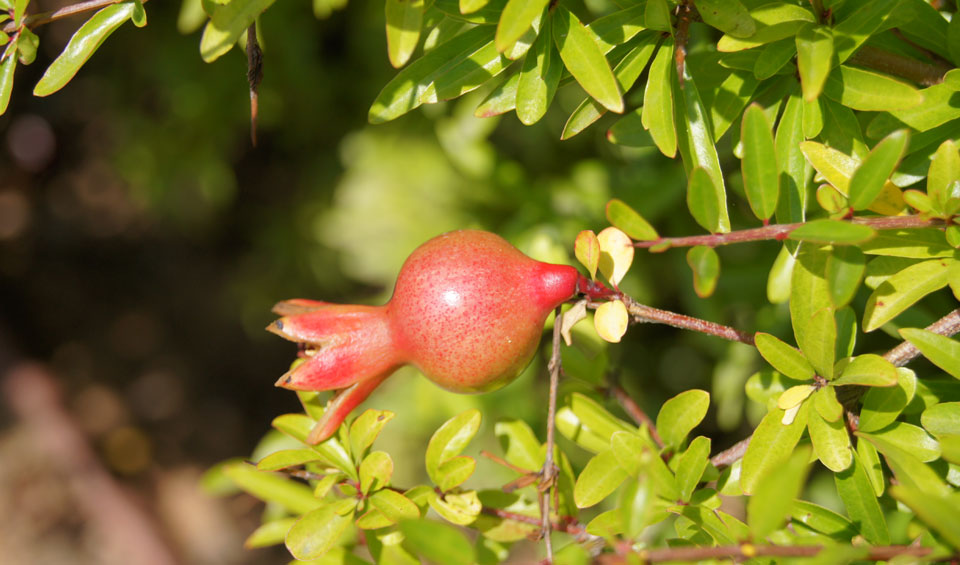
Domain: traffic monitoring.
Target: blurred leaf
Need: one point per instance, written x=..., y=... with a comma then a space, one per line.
x=680, y=415
x=539, y=77
x=783, y=357
x=826, y=404
x=781, y=273
x=823, y=520
x=616, y=254
x=773, y=21
x=455, y=471
x=227, y=23
x=287, y=458
x=488, y=13
x=944, y=171
x=939, y=106
x=936, y=511
x=760, y=171
x=830, y=442
x=836, y=232
x=868, y=180
x=636, y=508
x=611, y=320
x=773, y=57
x=501, y=100
x=573, y=429
x=855, y=29
x=942, y=419
x=405, y=91
x=298, y=426
x=365, y=429
x=845, y=268
x=814, y=58
x=907, y=468
x=857, y=494
x=520, y=446
x=772, y=501
x=705, y=264
x=868, y=370
x=940, y=350
x=6, y=80
x=909, y=438
x=517, y=17
x=82, y=45
x=27, y=44
x=375, y=471
x=461, y=75
x=316, y=532
x=618, y=27
x=657, y=16
x=628, y=131
x=794, y=395
x=404, y=19
x=627, y=220
x=598, y=480
x=584, y=59
x=702, y=200
x=596, y=418
x=139, y=16
x=457, y=508
x=902, y=290
x=450, y=440
x=395, y=506
x=658, y=103
x=882, y=405
x=587, y=250
x=868, y=91
x=628, y=448
x=691, y=465
x=729, y=16
x=295, y=497
x=438, y=542
x=470, y=6
x=921, y=243
x=770, y=448
x=269, y=533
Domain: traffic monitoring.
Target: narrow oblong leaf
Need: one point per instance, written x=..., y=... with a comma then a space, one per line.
x=868, y=180
x=856, y=492
x=227, y=23
x=858, y=89
x=938, y=512
x=761, y=176
x=845, y=269
x=584, y=59
x=517, y=17
x=81, y=46
x=814, y=59
x=729, y=16
x=907, y=437
x=271, y=487
x=702, y=200
x=404, y=19
x=791, y=206
x=6, y=80
x=771, y=446
x=944, y=171
x=834, y=232
x=691, y=465
x=625, y=218
x=599, y=479
x=902, y=290
x=831, y=442
x=783, y=357
x=907, y=468
x=316, y=532
x=940, y=350
x=658, y=101
x=539, y=77
x=882, y=405
x=705, y=264
x=772, y=501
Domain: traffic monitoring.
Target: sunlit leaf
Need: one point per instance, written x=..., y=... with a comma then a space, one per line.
x=771, y=446
x=856, y=492
x=938, y=512
x=705, y=264
x=783, y=357
x=940, y=350
x=316, y=532
x=761, y=176
x=814, y=58
x=616, y=254
x=625, y=218
x=691, y=465
x=584, y=59
x=833, y=231
x=902, y=290
x=539, y=78
x=658, y=100
x=611, y=320
x=729, y=16
x=868, y=180
x=868, y=370
x=404, y=19
x=772, y=500
x=845, y=268
x=450, y=440
x=587, y=250
x=882, y=405
x=860, y=89
x=598, y=480
x=831, y=442
x=438, y=542
x=517, y=17
x=681, y=414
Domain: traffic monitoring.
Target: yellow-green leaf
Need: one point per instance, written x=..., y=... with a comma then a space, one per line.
x=585, y=60
x=761, y=176
x=904, y=289
x=404, y=19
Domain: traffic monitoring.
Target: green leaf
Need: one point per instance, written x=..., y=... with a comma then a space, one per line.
x=375, y=471
x=770, y=448
x=698, y=149
x=908, y=437
x=6, y=80
x=459, y=76
x=772, y=501
x=859, y=89
x=939, y=106
x=705, y=264
x=942, y=419
x=269, y=533
x=226, y=24
x=26, y=45
x=702, y=200
x=395, y=506
x=450, y=440
x=596, y=418
x=316, y=532
x=82, y=45
x=406, y=90
x=944, y=171
x=626, y=219
x=830, y=442
x=814, y=58
x=868, y=180
x=773, y=21
x=793, y=166
x=690, y=466
x=520, y=446
x=298, y=426
x=438, y=542
x=760, y=172
x=287, y=458
x=868, y=370
x=517, y=17
x=834, y=232
x=856, y=492
x=729, y=16
x=626, y=72
x=870, y=459
x=823, y=520
x=778, y=282
x=783, y=357
x=938, y=512
x=940, y=350
x=882, y=405
x=855, y=29
x=826, y=404
x=453, y=472
x=904, y=289
x=907, y=468
x=460, y=508
x=539, y=77
x=812, y=118
x=618, y=27
x=919, y=243
x=773, y=57
x=295, y=497
x=404, y=20
x=811, y=311
x=658, y=103
x=598, y=480
x=584, y=59
x=501, y=100
x=573, y=429
x=680, y=415
x=365, y=429
x=845, y=268
x=657, y=16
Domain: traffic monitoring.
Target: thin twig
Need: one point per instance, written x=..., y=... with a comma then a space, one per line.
x=644, y=313
x=782, y=231
x=254, y=76
x=635, y=412
x=548, y=474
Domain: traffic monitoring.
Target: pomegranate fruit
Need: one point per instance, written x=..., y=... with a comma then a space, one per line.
x=467, y=310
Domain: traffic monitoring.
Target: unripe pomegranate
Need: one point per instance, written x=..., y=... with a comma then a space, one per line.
x=468, y=311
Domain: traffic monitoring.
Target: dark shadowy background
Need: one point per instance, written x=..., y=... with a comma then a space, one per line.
x=143, y=241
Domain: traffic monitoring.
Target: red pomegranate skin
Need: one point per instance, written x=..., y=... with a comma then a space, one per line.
x=468, y=311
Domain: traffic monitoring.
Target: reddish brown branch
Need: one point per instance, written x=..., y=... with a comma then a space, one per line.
x=781, y=231
x=635, y=412
x=644, y=313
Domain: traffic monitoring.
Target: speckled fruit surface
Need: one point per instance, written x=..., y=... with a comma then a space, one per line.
x=467, y=310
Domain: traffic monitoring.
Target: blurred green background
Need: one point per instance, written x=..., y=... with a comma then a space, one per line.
x=143, y=241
